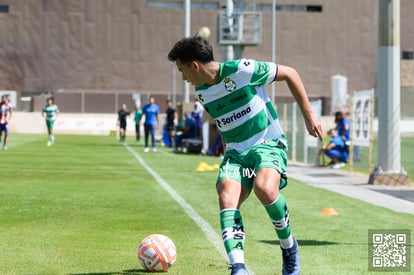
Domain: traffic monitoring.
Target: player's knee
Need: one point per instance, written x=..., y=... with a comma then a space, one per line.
x=266, y=191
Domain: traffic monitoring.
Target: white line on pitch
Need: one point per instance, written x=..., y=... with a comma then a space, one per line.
x=211, y=235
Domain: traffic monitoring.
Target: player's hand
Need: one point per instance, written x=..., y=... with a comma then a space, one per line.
x=313, y=126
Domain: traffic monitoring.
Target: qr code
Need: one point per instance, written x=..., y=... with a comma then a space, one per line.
x=389, y=250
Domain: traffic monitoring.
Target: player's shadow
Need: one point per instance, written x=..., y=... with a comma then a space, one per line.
x=123, y=272
x=302, y=242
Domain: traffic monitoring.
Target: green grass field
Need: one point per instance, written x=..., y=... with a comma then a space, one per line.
x=83, y=205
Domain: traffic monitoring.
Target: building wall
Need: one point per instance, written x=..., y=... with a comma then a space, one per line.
x=122, y=45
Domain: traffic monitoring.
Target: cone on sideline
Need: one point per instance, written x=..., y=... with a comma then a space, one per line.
x=329, y=212
x=202, y=166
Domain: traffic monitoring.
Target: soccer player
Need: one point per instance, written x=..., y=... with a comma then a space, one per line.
x=171, y=117
x=5, y=115
x=137, y=120
x=233, y=93
x=123, y=113
x=49, y=113
x=150, y=117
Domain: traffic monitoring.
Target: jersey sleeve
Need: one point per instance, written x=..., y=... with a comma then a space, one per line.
x=263, y=73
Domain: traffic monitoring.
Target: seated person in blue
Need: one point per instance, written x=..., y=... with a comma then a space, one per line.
x=189, y=131
x=335, y=150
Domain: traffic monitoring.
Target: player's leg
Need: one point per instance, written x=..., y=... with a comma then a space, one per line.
x=270, y=167
x=4, y=128
x=171, y=134
x=122, y=131
x=50, y=138
x=266, y=188
x=146, y=136
x=231, y=195
x=6, y=136
x=153, y=129
x=137, y=132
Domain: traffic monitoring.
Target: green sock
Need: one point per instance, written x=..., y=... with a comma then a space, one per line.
x=279, y=215
x=232, y=231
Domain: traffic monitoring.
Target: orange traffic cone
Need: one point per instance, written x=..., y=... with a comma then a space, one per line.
x=329, y=212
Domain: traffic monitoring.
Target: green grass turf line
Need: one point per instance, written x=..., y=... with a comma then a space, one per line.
x=83, y=205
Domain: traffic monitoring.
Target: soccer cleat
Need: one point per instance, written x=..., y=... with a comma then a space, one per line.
x=290, y=256
x=239, y=269
x=146, y=150
x=49, y=143
x=5, y=148
x=154, y=149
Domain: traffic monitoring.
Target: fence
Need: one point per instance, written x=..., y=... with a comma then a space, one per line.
x=300, y=150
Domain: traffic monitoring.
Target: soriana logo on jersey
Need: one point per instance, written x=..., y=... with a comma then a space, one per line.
x=229, y=85
x=232, y=117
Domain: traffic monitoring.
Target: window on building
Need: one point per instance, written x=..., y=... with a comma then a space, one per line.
x=4, y=9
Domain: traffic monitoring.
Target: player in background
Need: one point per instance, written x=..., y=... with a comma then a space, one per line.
x=137, y=120
x=49, y=113
x=5, y=115
x=150, y=117
x=123, y=113
x=171, y=117
x=233, y=93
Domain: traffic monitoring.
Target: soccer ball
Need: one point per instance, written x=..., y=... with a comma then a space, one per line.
x=157, y=253
x=204, y=32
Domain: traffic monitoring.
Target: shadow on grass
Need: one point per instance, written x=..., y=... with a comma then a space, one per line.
x=123, y=272
x=302, y=242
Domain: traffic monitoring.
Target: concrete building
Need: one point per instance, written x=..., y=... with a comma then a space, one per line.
x=94, y=54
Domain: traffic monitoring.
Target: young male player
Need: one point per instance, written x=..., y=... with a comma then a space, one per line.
x=150, y=117
x=49, y=113
x=5, y=115
x=123, y=113
x=233, y=93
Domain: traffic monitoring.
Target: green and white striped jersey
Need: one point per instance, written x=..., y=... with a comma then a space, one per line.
x=50, y=111
x=240, y=105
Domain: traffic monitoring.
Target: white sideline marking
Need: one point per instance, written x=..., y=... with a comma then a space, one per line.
x=211, y=235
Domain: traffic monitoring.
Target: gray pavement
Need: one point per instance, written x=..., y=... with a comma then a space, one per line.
x=354, y=185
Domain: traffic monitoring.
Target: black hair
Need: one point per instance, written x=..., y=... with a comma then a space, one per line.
x=190, y=49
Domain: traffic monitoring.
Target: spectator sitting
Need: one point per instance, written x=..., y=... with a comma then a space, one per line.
x=335, y=150
x=189, y=131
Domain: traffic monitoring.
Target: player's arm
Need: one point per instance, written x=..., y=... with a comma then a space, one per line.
x=296, y=87
x=157, y=117
x=346, y=129
x=141, y=121
x=329, y=146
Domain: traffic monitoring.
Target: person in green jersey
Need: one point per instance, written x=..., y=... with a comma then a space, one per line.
x=137, y=119
x=234, y=94
x=49, y=113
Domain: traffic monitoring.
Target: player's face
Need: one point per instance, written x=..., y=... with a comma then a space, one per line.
x=188, y=72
